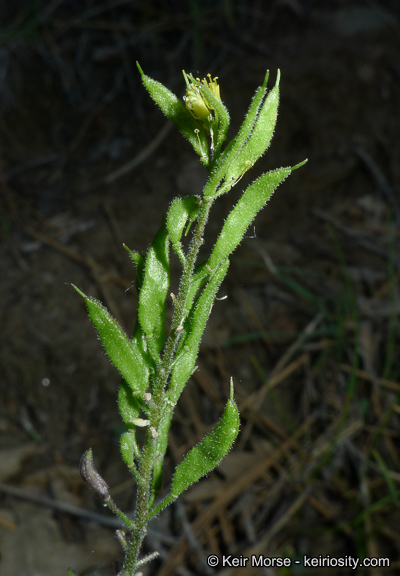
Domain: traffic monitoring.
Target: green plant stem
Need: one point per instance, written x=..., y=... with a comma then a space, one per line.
x=179, y=309
x=158, y=390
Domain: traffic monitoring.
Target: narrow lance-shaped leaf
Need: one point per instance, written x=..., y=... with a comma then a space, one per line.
x=250, y=118
x=138, y=335
x=153, y=293
x=194, y=328
x=260, y=138
x=235, y=144
x=139, y=262
x=175, y=110
x=253, y=199
x=206, y=455
x=123, y=353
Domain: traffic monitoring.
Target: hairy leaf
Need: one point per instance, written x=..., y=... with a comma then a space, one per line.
x=175, y=110
x=242, y=215
x=259, y=139
x=235, y=144
x=153, y=292
x=123, y=353
x=206, y=455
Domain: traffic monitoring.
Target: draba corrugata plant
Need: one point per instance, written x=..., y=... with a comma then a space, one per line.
x=157, y=362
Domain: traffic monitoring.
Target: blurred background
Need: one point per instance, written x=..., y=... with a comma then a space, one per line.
x=310, y=327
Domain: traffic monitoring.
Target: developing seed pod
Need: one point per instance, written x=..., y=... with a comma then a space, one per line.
x=242, y=215
x=180, y=211
x=175, y=110
x=259, y=139
x=91, y=476
x=154, y=290
x=123, y=353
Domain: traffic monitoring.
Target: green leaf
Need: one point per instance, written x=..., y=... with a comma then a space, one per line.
x=129, y=404
x=130, y=452
x=253, y=199
x=193, y=331
x=236, y=144
x=129, y=449
x=260, y=138
x=140, y=338
x=139, y=262
x=185, y=361
x=250, y=118
x=153, y=293
x=206, y=455
x=70, y=572
x=180, y=211
x=123, y=353
x=176, y=111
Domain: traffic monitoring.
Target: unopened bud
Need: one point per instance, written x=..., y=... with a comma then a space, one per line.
x=91, y=476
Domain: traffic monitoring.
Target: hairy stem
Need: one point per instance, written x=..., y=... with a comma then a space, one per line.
x=148, y=452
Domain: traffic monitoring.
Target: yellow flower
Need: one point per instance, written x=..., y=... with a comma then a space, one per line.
x=196, y=102
x=213, y=85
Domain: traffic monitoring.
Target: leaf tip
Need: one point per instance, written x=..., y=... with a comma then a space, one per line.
x=300, y=164
x=139, y=68
x=79, y=291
